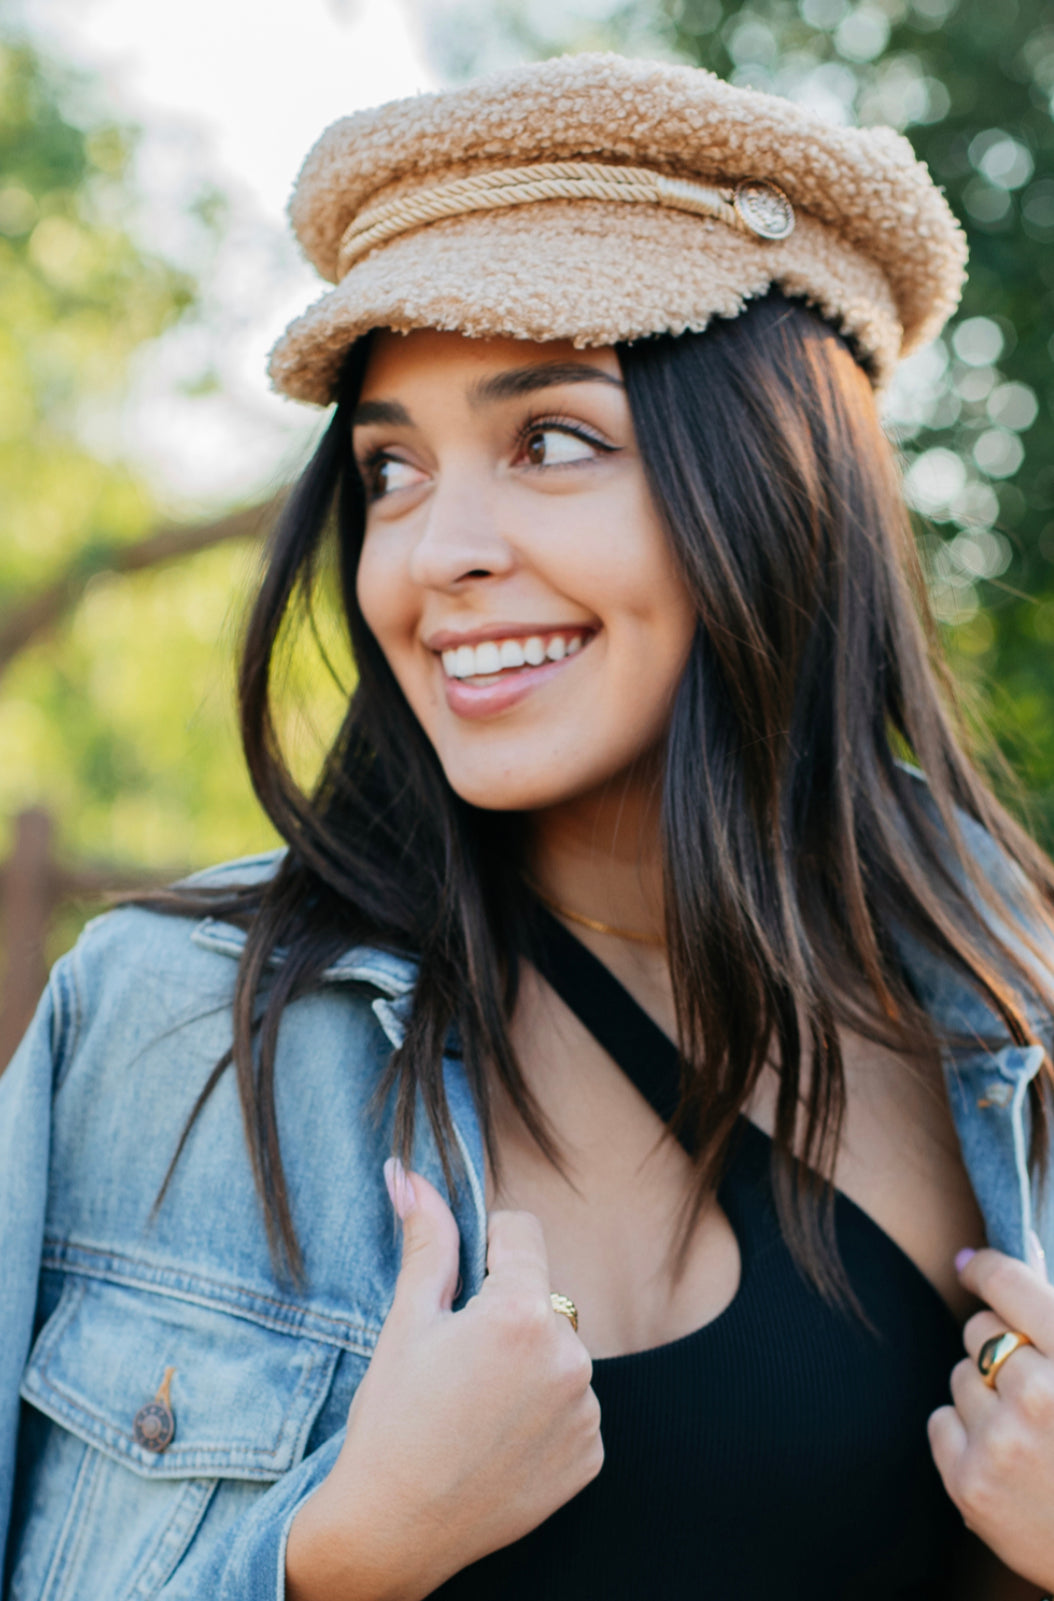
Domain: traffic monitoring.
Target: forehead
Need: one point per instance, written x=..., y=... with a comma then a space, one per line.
x=397, y=359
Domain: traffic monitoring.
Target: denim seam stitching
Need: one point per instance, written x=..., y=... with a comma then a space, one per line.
x=64, y=1558
x=207, y=1455
x=171, y=1544
x=118, y=1440
x=164, y=1281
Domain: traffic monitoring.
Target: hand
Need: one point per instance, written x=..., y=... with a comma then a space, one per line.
x=469, y=1428
x=995, y=1448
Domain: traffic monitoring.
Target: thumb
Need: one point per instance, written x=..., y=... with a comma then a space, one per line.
x=428, y=1277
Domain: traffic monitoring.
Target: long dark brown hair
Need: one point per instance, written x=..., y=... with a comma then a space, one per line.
x=796, y=838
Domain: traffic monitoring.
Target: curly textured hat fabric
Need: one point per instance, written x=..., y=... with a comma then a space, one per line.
x=600, y=199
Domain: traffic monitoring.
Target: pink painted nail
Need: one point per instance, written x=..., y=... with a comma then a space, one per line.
x=963, y=1257
x=400, y=1188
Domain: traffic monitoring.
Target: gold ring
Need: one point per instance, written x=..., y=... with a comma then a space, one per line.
x=994, y=1353
x=566, y=1307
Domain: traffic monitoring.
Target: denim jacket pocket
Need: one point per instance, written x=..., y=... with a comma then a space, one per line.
x=154, y=1413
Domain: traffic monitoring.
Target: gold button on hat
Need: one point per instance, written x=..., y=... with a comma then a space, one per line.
x=600, y=199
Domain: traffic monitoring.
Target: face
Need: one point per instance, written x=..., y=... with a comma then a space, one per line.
x=514, y=570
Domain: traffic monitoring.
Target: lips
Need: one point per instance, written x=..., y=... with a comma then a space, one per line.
x=486, y=675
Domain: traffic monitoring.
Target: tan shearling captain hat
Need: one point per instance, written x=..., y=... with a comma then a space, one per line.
x=600, y=199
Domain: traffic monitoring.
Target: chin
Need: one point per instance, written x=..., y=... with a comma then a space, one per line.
x=508, y=794
x=522, y=787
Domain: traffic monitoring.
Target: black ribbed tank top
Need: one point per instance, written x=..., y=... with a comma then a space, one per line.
x=779, y=1453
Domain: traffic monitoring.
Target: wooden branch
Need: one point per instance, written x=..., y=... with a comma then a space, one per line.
x=32, y=886
x=23, y=623
x=96, y=883
x=26, y=907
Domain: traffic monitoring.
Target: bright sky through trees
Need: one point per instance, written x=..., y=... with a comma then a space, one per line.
x=230, y=95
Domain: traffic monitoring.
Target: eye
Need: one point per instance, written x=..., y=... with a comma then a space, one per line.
x=556, y=445
x=383, y=474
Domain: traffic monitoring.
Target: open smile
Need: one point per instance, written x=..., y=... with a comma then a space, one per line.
x=488, y=676
x=488, y=660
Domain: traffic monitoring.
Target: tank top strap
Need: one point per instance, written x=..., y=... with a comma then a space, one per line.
x=647, y=1056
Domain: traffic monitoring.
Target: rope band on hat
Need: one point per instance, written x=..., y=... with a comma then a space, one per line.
x=754, y=206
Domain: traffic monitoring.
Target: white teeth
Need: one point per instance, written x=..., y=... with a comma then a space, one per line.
x=488, y=659
x=494, y=656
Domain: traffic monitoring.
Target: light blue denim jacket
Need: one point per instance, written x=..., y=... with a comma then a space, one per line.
x=98, y=1299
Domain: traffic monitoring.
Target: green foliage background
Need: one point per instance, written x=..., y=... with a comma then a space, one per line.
x=119, y=719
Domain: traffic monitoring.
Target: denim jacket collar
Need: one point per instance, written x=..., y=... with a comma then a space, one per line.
x=393, y=975
x=987, y=1087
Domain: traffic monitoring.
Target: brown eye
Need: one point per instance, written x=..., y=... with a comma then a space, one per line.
x=551, y=447
x=383, y=474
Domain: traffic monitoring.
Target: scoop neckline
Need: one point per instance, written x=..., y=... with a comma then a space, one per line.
x=748, y=1129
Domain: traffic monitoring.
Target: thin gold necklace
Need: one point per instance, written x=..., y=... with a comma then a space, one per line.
x=592, y=923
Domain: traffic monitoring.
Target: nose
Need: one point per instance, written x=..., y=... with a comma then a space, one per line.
x=460, y=542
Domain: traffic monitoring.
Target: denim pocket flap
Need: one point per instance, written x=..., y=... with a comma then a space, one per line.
x=239, y=1400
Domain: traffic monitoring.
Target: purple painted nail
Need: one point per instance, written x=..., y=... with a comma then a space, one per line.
x=963, y=1257
x=1037, y=1257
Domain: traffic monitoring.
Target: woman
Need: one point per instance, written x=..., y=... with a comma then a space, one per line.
x=635, y=756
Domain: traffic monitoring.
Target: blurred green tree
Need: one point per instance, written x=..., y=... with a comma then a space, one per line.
x=972, y=86
x=115, y=694
x=115, y=700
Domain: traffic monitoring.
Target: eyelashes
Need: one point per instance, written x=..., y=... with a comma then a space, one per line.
x=562, y=425
x=370, y=465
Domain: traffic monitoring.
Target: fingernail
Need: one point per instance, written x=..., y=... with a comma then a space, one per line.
x=400, y=1188
x=964, y=1256
x=1037, y=1256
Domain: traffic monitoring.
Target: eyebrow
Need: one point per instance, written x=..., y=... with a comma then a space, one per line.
x=508, y=385
x=388, y=413
x=516, y=381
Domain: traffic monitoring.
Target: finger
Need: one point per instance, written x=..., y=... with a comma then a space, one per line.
x=1024, y=1376
x=1017, y=1294
x=948, y=1444
x=427, y=1281
x=985, y=1326
x=516, y=1253
x=564, y=1317
x=981, y=1327
x=973, y=1399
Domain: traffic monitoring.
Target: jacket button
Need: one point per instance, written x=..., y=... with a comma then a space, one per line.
x=154, y=1425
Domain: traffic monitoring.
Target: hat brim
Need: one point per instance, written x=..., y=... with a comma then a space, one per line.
x=594, y=272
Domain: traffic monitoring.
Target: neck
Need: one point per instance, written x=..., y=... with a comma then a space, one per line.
x=601, y=856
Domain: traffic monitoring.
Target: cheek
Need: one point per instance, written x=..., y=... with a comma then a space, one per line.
x=385, y=598
x=650, y=624
x=391, y=608
x=649, y=609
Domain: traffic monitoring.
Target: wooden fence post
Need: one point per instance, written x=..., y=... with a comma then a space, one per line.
x=26, y=894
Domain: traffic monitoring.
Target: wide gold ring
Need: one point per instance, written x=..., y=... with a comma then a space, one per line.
x=566, y=1307
x=996, y=1351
